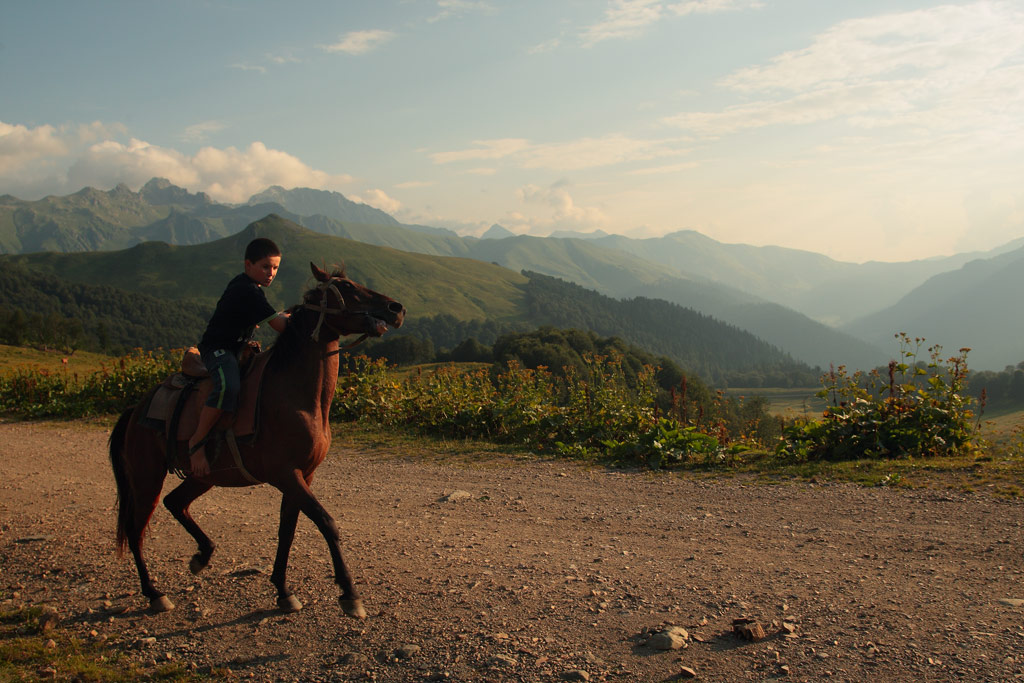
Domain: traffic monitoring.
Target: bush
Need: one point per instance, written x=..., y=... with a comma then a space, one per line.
x=919, y=410
x=604, y=410
x=41, y=393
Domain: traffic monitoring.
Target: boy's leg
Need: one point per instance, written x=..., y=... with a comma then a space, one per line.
x=223, y=367
x=207, y=418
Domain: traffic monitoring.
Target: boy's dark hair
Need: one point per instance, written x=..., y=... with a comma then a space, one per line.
x=260, y=248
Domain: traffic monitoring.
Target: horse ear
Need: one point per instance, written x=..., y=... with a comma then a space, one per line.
x=319, y=273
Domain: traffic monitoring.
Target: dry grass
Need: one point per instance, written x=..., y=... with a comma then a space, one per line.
x=14, y=358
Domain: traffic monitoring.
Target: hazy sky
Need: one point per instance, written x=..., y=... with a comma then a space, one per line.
x=868, y=129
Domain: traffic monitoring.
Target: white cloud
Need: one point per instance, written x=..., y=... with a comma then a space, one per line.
x=712, y=6
x=361, y=42
x=414, y=184
x=20, y=145
x=566, y=156
x=629, y=18
x=624, y=19
x=565, y=213
x=52, y=160
x=198, y=132
x=596, y=152
x=546, y=46
x=670, y=168
x=378, y=199
x=33, y=161
x=937, y=69
x=485, y=149
x=449, y=8
x=242, y=66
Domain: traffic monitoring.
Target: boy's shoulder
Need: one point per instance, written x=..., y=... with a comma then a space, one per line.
x=242, y=288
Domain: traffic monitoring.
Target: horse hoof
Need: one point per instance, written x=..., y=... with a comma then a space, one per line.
x=197, y=564
x=160, y=604
x=352, y=608
x=289, y=603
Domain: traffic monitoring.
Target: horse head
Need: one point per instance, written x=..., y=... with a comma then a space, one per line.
x=347, y=307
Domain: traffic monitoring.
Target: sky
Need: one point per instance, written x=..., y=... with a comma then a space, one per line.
x=868, y=130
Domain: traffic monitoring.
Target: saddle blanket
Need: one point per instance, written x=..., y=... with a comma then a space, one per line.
x=164, y=400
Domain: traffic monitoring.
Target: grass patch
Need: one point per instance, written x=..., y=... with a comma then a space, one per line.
x=14, y=358
x=33, y=648
x=786, y=402
x=997, y=470
x=369, y=440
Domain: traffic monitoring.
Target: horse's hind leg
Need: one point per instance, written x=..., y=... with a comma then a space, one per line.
x=143, y=508
x=138, y=505
x=177, y=503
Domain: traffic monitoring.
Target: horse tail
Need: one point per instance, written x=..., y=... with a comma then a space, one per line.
x=125, y=499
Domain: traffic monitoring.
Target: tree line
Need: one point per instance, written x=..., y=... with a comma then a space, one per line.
x=39, y=310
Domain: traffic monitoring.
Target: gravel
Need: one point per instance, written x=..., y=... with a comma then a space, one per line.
x=535, y=571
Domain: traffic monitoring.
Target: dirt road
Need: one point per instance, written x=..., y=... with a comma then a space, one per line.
x=546, y=571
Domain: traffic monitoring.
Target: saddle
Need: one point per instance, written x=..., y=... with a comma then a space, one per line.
x=175, y=405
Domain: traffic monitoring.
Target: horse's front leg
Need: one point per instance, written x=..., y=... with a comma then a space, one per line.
x=298, y=490
x=286, y=600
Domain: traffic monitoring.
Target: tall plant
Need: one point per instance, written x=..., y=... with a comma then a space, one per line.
x=916, y=409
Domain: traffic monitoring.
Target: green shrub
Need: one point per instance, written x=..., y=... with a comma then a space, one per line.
x=42, y=393
x=918, y=410
x=602, y=410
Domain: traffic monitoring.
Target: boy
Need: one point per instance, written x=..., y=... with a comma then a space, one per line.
x=242, y=308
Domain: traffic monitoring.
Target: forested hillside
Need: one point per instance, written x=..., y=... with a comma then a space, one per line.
x=36, y=309
x=715, y=351
x=155, y=294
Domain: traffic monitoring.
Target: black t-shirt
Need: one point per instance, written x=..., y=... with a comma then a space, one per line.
x=242, y=306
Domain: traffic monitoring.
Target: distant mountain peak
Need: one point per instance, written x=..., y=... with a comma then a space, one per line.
x=161, y=191
x=497, y=232
x=305, y=201
x=574, y=234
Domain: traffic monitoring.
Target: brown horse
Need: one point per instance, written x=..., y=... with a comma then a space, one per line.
x=293, y=439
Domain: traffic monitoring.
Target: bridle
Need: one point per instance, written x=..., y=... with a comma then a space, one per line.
x=324, y=309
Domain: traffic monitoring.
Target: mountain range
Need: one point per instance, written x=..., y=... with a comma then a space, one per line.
x=818, y=310
x=439, y=292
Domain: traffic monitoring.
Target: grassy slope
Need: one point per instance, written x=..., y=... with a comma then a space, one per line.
x=427, y=285
x=14, y=358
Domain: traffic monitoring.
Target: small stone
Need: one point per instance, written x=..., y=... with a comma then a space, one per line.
x=252, y=571
x=748, y=629
x=499, y=661
x=51, y=644
x=32, y=539
x=668, y=640
x=407, y=651
x=687, y=672
x=576, y=675
x=48, y=619
x=788, y=627
x=456, y=496
x=148, y=641
x=1012, y=602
